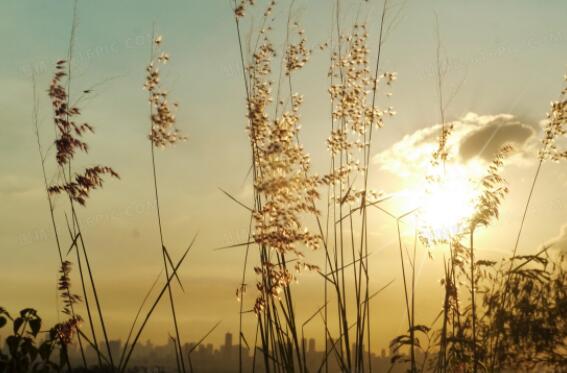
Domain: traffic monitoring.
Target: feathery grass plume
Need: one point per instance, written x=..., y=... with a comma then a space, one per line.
x=555, y=128
x=284, y=192
x=64, y=276
x=351, y=97
x=354, y=113
x=442, y=153
x=493, y=191
x=64, y=332
x=77, y=186
x=353, y=90
x=282, y=182
x=240, y=8
x=69, y=131
x=466, y=347
x=163, y=133
x=70, y=140
x=297, y=54
x=64, y=286
x=79, y=189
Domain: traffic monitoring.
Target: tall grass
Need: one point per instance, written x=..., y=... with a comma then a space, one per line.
x=354, y=115
x=162, y=133
x=52, y=208
x=76, y=186
x=493, y=316
x=278, y=155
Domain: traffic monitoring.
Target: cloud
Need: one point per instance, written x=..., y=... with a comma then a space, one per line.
x=475, y=139
x=559, y=243
x=487, y=140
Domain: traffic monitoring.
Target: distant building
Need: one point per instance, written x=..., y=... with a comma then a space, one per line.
x=227, y=348
x=115, y=347
x=227, y=357
x=228, y=340
x=312, y=347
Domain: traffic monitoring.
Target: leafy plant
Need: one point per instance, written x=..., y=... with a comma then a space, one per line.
x=23, y=351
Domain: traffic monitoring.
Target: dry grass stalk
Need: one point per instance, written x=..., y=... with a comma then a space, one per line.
x=163, y=133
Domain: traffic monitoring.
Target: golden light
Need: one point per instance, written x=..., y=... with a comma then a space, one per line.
x=446, y=205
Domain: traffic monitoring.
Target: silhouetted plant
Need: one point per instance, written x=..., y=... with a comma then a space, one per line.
x=532, y=328
x=24, y=352
x=163, y=133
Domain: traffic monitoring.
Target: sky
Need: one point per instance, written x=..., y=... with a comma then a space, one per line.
x=504, y=61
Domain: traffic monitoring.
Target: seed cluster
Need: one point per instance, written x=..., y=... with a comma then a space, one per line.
x=442, y=152
x=354, y=110
x=65, y=331
x=555, y=128
x=163, y=131
x=80, y=187
x=494, y=190
x=69, y=131
x=283, y=182
x=297, y=54
x=64, y=286
x=355, y=83
x=240, y=8
x=69, y=139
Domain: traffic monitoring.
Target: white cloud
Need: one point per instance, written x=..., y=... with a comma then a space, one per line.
x=475, y=139
x=559, y=243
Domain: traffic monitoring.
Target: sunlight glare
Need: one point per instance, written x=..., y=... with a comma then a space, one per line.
x=446, y=206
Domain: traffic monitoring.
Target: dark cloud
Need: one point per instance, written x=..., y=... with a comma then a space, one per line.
x=474, y=137
x=486, y=141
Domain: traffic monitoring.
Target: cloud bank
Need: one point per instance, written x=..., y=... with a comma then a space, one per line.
x=475, y=138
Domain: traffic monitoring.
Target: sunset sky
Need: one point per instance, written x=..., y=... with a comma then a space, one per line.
x=505, y=63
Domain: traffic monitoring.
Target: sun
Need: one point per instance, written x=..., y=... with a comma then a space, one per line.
x=446, y=205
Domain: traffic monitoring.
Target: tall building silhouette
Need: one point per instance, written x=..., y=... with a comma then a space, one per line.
x=312, y=347
x=228, y=340
x=227, y=348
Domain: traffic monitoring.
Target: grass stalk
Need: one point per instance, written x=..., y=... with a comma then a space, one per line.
x=164, y=253
x=42, y=157
x=152, y=308
x=473, y=304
